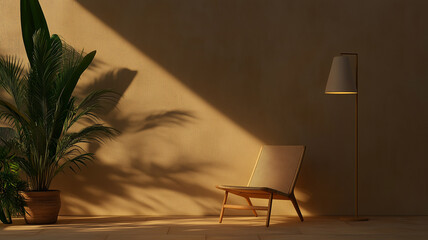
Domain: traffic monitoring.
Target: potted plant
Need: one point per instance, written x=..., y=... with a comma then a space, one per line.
x=43, y=110
x=11, y=202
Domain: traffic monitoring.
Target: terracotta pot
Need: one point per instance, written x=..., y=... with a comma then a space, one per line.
x=42, y=207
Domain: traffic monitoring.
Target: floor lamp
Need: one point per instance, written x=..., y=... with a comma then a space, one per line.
x=342, y=81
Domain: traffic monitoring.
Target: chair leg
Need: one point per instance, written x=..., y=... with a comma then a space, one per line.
x=249, y=203
x=296, y=206
x=222, y=207
x=269, y=210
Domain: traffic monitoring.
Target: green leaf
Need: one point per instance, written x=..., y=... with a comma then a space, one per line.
x=32, y=19
x=71, y=83
x=68, y=89
x=11, y=78
x=3, y=217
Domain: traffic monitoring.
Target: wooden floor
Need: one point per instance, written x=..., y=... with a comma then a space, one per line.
x=207, y=228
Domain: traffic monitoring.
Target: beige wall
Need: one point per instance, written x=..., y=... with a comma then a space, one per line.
x=223, y=78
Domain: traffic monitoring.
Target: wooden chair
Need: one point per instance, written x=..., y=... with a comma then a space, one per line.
x=274, y=177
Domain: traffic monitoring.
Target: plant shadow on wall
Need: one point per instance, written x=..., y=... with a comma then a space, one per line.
x=235, y=59
x=101, y=182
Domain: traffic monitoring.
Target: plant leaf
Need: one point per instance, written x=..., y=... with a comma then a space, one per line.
x=32, y=19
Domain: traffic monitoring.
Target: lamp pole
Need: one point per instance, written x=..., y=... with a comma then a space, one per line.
x=356, y=130
x=357, y=218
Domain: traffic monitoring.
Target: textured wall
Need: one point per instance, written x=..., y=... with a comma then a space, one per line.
x=205, y=83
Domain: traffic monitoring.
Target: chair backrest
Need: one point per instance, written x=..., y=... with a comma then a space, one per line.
x=277, y=167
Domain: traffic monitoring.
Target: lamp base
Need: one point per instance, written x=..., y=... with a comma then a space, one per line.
x=354, y=219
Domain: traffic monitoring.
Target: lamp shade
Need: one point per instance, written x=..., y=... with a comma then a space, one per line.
x=341, y=80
